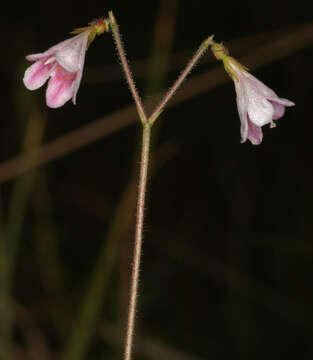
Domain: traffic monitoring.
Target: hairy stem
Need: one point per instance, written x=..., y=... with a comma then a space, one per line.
x=202, y=49
x=128, y=74
x=145, y=149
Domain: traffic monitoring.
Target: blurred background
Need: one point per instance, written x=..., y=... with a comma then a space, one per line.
x=227, y=259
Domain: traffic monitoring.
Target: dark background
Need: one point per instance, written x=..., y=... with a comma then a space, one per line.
x=227, y=260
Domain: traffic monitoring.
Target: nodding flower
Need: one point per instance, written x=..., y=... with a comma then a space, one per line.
x=257, y=104
x=63, y=64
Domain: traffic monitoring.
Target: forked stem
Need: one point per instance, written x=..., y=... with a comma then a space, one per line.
x=145, y=149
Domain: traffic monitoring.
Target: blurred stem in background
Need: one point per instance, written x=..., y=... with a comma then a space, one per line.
x=11, y=233
x=162, y=46
x=51, y=275
x=5, y=298
x=89, y=312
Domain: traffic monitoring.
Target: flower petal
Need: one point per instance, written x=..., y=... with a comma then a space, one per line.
x=260, y=110
x=279, y=105
x=76, y=85
x=281, y=101
x=37, y=74
x=35, y=57
x=255, y=134
x=242, y=111
x=279, y=110
x=244, y=130
x=249, y=88
x=71, y=56
x=60, y=87
x=259, y=86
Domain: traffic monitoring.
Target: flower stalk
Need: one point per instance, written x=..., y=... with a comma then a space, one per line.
x=194, y=60
x=128, y=74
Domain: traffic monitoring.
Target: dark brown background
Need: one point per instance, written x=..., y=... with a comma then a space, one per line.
x=227, y=261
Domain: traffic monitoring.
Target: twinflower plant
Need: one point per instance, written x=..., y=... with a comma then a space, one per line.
x=63, y=64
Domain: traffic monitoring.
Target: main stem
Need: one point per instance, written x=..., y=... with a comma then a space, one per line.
x=138, y=239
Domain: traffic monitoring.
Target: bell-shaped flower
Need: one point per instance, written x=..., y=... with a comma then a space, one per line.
x=63, y=64
x=257, y=104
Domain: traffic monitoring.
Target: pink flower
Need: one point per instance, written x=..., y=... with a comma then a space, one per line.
x=64, y=64
x=257, y=104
